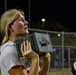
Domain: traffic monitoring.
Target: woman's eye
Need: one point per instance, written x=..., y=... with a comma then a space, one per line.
x=22, y=20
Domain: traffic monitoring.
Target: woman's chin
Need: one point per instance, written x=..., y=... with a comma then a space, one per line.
x=26, y=32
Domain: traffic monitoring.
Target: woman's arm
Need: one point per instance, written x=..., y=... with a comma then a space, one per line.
x=34, y=66
x=17, y=70
x=45, y=65
x=21, y=70
x=27, y=53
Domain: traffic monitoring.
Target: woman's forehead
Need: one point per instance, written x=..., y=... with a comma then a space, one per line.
x=21, y=16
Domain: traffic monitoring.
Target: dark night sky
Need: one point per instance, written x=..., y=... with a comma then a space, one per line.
x=64, y=11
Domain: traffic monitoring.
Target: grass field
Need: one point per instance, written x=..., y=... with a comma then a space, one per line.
x=60, y=72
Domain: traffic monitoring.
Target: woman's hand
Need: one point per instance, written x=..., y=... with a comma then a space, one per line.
x=27, y=51
x=45, y=64
x=46, y=57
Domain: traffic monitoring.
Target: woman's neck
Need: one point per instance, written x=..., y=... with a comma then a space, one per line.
x=14, y=38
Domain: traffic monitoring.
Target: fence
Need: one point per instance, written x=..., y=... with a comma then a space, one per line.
x=64, y=47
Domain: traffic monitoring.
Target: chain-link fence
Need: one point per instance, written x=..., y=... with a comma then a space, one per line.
x=64, y=47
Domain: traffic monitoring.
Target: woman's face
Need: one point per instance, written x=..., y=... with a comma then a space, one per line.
x=20, y=26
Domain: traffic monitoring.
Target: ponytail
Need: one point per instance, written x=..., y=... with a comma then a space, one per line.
x=5, y=39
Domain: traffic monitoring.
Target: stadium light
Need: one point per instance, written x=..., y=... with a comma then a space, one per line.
x=59, y=35
x=43, y=19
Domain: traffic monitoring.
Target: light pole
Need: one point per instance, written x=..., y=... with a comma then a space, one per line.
x=29, y=14
x=5, y=5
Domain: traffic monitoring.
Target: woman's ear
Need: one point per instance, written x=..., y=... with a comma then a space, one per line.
x=10, y=28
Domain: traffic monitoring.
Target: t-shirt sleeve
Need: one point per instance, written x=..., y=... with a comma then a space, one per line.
x=10, y=59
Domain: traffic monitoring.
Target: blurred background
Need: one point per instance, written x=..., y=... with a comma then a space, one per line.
x=57, y=18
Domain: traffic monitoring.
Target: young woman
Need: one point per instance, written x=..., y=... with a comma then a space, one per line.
x=14, y=26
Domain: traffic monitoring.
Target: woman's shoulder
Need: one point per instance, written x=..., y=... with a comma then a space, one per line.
x=8, y=47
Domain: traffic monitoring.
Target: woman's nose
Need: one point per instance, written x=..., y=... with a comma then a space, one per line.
x=26, y=23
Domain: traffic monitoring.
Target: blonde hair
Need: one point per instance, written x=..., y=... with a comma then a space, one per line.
x=6, y=19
